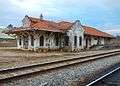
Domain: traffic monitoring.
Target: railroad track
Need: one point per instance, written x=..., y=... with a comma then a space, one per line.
x=97, y=81
x=11, y=73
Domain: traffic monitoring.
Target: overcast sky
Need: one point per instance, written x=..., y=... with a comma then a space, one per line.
x=102, y=14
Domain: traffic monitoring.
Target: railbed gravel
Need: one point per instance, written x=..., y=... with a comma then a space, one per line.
x=16, y=58
x=75, y=75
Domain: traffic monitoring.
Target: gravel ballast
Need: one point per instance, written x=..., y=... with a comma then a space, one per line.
x=73, y=75
x=16, y=58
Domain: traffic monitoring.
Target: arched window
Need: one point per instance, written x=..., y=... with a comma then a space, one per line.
x=66, y=40
x=80, y=41
x=41, y=41
x=56, y=39
x=20, y=38
x=32, y=40
x=75, y=41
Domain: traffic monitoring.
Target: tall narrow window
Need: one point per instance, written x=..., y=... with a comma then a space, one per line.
x=80, y=41
x=56, y=39
x=41, y=41
x=75, y=40
x=66, y=40
x=32, y=40
x=20, y=40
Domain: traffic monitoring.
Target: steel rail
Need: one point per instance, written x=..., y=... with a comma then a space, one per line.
x=52, y=65
x=102, y=77
x=56, y=61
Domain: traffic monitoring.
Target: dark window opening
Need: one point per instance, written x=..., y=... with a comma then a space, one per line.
x=95, y=38
x=41, y=41
x=20, y=40
x=80, y=41
x=32, y=40
x=48, y=33
x=66, y=40
x=56, y=39
x=86, y=42
x=25, y=42
x=75, y=40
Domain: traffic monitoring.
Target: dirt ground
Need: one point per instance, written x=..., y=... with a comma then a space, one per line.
x=14, y=58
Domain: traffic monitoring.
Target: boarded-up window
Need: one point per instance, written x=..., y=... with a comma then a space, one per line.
x=41, y=41
x=20, y=40
x=80, y=41
x=75, y=40
x=32, y=40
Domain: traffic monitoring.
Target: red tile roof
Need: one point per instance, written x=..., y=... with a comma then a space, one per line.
x=49, y=25
x=45, y=25
x=36, y=20
x=94, y=32
x=62, y=26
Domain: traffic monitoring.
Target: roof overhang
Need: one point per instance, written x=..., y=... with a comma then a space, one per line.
x=17, y=30
x=100, y=36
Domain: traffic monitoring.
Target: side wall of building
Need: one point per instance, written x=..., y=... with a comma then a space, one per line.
x=95, y=40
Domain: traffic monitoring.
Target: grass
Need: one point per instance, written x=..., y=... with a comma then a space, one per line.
x=14, y=57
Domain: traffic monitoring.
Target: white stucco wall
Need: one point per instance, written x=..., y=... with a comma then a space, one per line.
x=18, y=46
x=103, y=41
x=29, y=43
x=49, y=41
x=94, y=41
x=76, y=30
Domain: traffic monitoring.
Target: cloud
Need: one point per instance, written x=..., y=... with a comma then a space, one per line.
x=2, y=27
x=98, y=13
x=113, y=31
x=24, y=4
x=111, y=28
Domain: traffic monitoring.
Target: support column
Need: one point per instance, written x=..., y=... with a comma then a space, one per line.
x=18, y=39
x=29, y=42
x=36, y=42
x=83, y=42
x=45, y=41
x=77, y=42
x=22, y=44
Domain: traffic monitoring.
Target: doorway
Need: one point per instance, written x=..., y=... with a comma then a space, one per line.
x=25, y=42
x=41, y=43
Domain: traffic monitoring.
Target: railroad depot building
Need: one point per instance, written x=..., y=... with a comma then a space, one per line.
x=38, y=33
